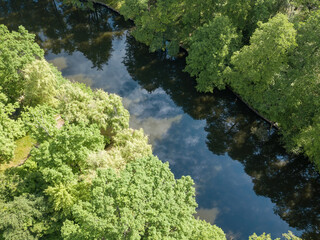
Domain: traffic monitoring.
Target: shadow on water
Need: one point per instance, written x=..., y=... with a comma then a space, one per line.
x=291, y=182
x=229, y=129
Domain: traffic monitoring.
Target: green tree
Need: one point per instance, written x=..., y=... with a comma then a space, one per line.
x=245, y=14
x=209, y=53
x=257, y=66
x=64, y=156
x=142, y=199
x=127, y=145
x=287, y=236
x=22, y=218
x=40, y=122
x=198, y=13
x=204, y=231
x=294, y=97
x=158, y=23
x=10, y=129
x=41, y=83
x=16, y=50
x=145, y=202
x=79, y=104
x=306, y=5
x=309, y=140
x=132, y=9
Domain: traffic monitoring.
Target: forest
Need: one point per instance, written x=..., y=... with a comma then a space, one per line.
x=72, y=168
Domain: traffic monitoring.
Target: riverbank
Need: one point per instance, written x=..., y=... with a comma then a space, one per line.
x=116, y=9
x=262, y=83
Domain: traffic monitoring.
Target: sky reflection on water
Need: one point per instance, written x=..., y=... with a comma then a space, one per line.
x=224, y=190
x=245, y=182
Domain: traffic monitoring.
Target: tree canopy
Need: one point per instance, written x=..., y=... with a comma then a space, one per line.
x=210, y=49
x=89, y=176
x=16, y=50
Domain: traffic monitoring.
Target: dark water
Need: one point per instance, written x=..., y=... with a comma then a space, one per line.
x=245, y=181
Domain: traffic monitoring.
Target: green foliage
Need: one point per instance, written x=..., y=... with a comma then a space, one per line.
x=60, y=197
x=168, y=23
x=141, y=199
x=246, y=14
x=73, y=144
x=256, y=67
x=22, y=218
x=9, y=186
x=156, y=22
x=209, y=53
x=65, y=154
x=303, y=95
x=127, y=145
x=59, y=162
x=198, y=13
x=70, y=180
x=238, y=11
x=10, y=129
x=41, y=84
x=292, y=97
x=276, y=72
x=287, y=236
x=132, y=9
x=16, y=50
x=40, y=122
x=6, y=147
x=144, y=202
x=74, y=101
x=202, y=230
x=79, y=104
x=80, y=4
x=132, y=144
x=309, y=140
x=115, y=4
x=306, y=5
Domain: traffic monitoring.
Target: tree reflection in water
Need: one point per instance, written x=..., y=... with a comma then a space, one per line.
x=63, y=28
x=291, y=182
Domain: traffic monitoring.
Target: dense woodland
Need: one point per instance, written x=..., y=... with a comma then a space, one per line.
x=267, y=51
x=88, y=175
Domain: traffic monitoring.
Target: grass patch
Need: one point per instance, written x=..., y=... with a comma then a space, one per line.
x=23, y=148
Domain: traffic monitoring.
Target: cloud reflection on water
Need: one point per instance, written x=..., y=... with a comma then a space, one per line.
x=212, y=137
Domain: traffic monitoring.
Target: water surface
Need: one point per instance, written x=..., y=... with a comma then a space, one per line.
x=244, y=179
